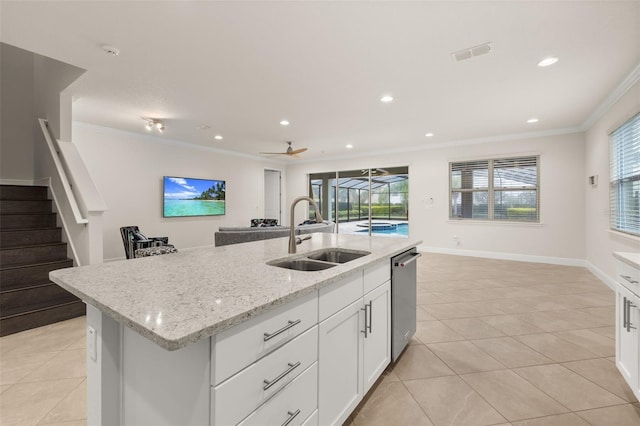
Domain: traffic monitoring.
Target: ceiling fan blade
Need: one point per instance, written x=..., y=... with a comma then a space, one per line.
x=298, y=151
x=273, y=153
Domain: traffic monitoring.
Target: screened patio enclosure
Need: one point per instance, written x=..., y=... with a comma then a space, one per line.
x=364, y=200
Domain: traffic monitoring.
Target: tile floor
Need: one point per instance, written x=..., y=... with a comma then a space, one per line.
x=505, y=343
x=498, y=343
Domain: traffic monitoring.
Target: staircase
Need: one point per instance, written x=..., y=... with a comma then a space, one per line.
x=31, y=247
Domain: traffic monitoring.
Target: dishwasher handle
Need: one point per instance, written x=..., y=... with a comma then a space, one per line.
x=403, y=263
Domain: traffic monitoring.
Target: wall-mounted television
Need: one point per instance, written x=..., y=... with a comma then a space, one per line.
x=193, y=197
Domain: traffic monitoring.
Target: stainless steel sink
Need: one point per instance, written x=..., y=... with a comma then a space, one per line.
x=303, y=265
x=336, y=255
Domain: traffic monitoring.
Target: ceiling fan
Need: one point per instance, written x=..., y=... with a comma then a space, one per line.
x=290, y=151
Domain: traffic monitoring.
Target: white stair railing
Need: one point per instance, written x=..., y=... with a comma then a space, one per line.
x=79, y=204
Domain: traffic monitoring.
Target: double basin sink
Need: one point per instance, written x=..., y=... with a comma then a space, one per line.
x=320, y=260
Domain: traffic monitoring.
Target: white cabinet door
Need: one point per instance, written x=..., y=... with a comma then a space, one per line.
x=340, y=364
x=627, y=323
x=377, y=343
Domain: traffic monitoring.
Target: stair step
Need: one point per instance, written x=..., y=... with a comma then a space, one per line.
x=21, y=300
x=41, y=315
x=25, y=206
x=26, y=221
x=33, y=254
x=29, y=237
x=23, y=192
x=19, y=276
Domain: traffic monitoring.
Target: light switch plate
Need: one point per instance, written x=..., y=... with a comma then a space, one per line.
x=92, y=343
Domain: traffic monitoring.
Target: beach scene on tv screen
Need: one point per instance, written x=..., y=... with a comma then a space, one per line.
x=193, y=197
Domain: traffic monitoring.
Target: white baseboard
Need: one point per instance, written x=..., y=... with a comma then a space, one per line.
x=505, y=256
x=610, y=282
x=19, y=182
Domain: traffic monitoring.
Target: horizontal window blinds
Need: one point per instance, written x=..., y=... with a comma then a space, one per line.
x=625, y=177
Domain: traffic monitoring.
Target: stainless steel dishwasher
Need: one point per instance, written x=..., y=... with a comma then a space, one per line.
x=403, y=300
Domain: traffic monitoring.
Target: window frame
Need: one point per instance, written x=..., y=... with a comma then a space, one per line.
x=615, y=185
x=491, y=190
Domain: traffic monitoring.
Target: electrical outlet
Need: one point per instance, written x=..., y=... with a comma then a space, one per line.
x=92, y=343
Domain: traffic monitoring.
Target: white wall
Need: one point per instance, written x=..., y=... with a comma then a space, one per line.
x=17, y=121
x=600, y=242
x=562, y=180
x=128, y=168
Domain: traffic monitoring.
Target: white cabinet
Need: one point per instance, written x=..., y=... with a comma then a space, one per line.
x=354, y=349
x=627, y=323
x=340, y=373
x=377, y=344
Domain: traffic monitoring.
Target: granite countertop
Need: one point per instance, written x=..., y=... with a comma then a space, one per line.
x=632, y=259
x=181, y=298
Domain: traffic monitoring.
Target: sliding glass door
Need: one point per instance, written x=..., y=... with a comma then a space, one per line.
x=364, y=201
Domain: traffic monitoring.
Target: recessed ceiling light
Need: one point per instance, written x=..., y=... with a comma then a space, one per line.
x=429, y=135
x=532, y=120
x=548, y=61
x=284, y=122
x=386, y=98
x=217, y=137
x=348, y=146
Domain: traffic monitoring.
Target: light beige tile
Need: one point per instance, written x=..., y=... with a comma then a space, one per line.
x=64, y=365
x=15, y=367
x=418, y=362
x=511, y=325
x=568, y=419
x=450, y=401
x=570, y=389
x=619, y=415
x=390, y=376
x=28, y=403
x=605, y=374
x=512, y=396
x=82, y=422
x=72, y=408
x=4, y=388
x=511, y=353
x=422, y=315
x=555, y=348
x=391, y=403
x=609, y=332
x=81, y=343
x=434, y=332
x=43, y=339
x=472, y=328
x=594, y=342
x=464, y=357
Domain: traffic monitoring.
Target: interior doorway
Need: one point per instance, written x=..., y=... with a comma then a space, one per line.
x=273, y=195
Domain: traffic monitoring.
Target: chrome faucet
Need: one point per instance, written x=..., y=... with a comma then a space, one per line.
x=293, y=241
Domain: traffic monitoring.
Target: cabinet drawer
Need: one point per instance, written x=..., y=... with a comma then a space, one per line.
x=246, y=343
x=312, y=420
x=376, y=275
x=296, y=402
x=339, y=294
x=628, y=276
x=238, y=396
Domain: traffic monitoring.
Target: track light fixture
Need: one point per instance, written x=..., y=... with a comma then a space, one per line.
x=152, y=122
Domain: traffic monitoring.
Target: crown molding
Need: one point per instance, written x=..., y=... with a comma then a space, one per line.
x=613, y=97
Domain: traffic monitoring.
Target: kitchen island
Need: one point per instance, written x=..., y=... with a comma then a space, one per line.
x=181, y=338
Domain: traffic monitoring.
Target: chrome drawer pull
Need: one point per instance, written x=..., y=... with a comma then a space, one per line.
x=291, y=417
x=290, y=324
x=370, y=315
x=268, y=384
x=629, y=279
x=629, y=306
x=624, y=313
x=366, y=327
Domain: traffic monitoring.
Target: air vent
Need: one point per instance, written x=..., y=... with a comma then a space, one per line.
x=469, y=53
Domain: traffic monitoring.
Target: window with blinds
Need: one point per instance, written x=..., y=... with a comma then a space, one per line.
x=624, y=177
x=504, y=189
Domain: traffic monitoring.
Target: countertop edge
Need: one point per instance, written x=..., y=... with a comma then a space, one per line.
x=227, y=323
x=628, y=258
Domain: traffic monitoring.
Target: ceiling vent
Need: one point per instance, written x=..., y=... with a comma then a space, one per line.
x=469, y=53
